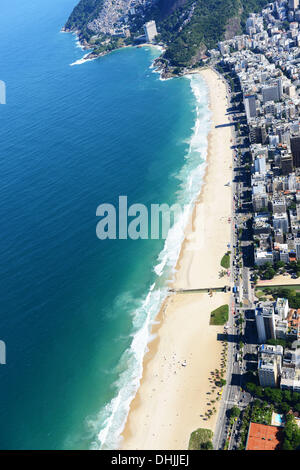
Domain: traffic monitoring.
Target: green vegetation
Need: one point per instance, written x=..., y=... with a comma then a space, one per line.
x=225, y=261
x=262, y=412
x=245, y=426
x=294, y=267
x=283, y=400
x=83, y=13
x=205, y=28
x=208, y=24
x=201, y=439
x=268, y=271
x=111, y=46
x=280, y=342
x=259, y=412
x=291, y=434
x=260, y=294
x=292, y=293
x=220, y=382
x=268, y=290
x=235, y=412
x=187, y=27
x=292, y=206
x=219, y=316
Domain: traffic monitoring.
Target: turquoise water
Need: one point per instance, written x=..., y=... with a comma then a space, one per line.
x=76, y=311
x=277, y=419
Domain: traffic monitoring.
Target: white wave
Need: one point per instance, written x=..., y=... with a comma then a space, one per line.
x=190, y=177
x=110, y=422
x=83, y=60
x=78, y=45
x=164, y=79
x=156, y=46
x=113, y=416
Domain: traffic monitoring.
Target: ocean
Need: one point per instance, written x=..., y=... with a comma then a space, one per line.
x=76, y=311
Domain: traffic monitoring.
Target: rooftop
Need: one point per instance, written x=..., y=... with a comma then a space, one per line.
x=294, y=318
x=263, y=437
x=271, y=349
x=266, y=363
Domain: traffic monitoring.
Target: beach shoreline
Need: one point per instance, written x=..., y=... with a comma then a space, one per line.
x=180, y=360
x=91, y=55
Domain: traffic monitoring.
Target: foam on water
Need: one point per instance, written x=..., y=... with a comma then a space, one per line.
x=108, y=425
x=78, y=45
x=113, y=416
x=190, y=177
x=83, y=60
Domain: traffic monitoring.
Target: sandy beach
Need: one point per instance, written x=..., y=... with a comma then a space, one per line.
x=177, y=386
x=208, y=233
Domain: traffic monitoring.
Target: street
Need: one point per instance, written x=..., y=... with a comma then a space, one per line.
x=241, y=302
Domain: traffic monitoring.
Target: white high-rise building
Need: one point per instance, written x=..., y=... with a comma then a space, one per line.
x=269, y=364
x=260, y=326
x=272, y=92
x=150, y=30
x=268, y=371
x=282, y=308
x=281, y=221
x=278, y=204
x=297, y=247
x=293, y=4
x=260, y=165
x=265, y=322
x=250, y=106
x=292, y=182
x=224, y=48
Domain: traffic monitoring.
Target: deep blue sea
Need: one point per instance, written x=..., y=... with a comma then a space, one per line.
x=75, y=311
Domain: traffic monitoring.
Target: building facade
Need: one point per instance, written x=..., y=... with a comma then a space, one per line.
x=150, y=30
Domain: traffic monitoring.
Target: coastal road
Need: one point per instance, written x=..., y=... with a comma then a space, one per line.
x=231, y=391
x=236, y=369
x=240, y=276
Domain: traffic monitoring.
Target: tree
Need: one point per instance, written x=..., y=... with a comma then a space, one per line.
x=251, y=387
x=287, y=396
x=275, y=342
x=269, y=273
x=235, y=412
x=285, y=407
x=287, y=445
x=297, y=407
x=207, y=446
x=295, y=398
x=279, y=265
x=291, y=434
x=259, y=392
x=274, y=395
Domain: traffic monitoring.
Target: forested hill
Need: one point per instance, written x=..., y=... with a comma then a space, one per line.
x=186, y=27
x=83, y=13
x=207, y=22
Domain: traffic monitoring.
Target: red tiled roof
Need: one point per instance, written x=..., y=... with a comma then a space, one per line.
x=294, y=322
x=263, y=437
